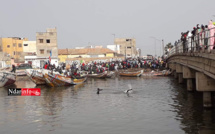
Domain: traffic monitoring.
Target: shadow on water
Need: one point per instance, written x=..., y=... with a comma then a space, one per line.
x=190, y=112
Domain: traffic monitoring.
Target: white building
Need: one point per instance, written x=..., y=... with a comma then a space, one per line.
x=39, y=62
x=29, y=46
x=115, y=48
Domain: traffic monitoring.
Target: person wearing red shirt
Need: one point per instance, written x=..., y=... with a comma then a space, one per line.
x=46, y=66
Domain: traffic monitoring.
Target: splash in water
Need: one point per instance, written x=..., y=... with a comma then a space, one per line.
x=129, y=86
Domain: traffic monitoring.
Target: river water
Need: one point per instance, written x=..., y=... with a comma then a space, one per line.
x=158, y=105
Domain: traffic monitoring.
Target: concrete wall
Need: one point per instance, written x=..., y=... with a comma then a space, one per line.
x=115, y=48
x=62, y=58
x=1, y=47
x=49, y=35
x=38, y=62
x=75, y=56
x=87, y=60
x=29, y=46
x=13, y=46
x=110, y=55
x=127, y=46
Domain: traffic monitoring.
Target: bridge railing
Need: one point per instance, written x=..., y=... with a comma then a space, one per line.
x=203, y=40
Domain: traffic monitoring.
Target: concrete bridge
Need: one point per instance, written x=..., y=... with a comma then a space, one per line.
x=197, y=70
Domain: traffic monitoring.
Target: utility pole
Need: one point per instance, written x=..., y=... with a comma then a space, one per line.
x=163, y=46
x=154, y=43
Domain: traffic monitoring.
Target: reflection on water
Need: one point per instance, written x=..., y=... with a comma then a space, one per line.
x=157, y=105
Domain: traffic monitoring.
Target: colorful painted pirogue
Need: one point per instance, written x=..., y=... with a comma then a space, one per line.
x=36, y=76
x=100, y=75
x=7, y=78
x=131, y=74
x=57, y=80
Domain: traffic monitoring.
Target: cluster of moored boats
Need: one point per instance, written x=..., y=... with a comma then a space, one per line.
x=55, y=79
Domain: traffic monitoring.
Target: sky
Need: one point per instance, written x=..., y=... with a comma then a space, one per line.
x=93, y=22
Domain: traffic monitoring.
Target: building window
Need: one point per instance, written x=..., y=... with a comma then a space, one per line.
x=25, y=44
x=48, y=41
x=14, y=44
x=20, y=45
x=41, y=51
x=0, y=48
x=129, y=47
x=8, y=46
x=40, y=40
x=50, y=33
x=14, y=53
x=128, y=39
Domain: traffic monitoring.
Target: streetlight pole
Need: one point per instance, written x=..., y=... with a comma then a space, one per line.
x=154, y=43
x=163, y=46
x=162, y=43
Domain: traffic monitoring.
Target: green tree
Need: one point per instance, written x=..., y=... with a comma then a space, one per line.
x=168, y=47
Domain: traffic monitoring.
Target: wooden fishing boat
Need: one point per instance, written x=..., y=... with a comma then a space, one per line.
x=56, y=80
x=162, y=73
x=110, y=74
x=7, y=78
x=131, y=74
x=79, y=81
x=100, y=75
x=36, y=76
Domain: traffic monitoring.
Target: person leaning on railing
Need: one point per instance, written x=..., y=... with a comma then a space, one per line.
x=206, y=37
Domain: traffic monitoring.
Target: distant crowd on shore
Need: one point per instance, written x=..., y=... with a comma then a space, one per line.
x=201, y=37
x=99, y=67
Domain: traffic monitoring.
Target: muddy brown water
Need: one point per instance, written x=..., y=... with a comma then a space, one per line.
x=158, y=105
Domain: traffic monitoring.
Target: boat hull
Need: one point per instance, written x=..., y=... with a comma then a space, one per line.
x=56, y=80
x=36, y=76
x=101, y=75
x=131, y=74
x=79, y=81
x=7, y=78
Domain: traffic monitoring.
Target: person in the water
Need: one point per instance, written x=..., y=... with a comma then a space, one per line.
x=98, y=90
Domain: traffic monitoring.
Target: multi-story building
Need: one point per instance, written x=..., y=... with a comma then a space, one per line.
x=127, y=46
x=1, y=48
x=46, y=44
x=12, y=46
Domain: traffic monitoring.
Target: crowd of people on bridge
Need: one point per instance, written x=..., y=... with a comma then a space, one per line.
x=200, y=37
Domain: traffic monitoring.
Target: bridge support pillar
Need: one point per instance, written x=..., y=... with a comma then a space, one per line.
x=207, y=101
x=180, y=78
x=206, y=85
x=189, y=74
x=190, y=85
x=175, y=75
x=179, y=68
x=179, y=71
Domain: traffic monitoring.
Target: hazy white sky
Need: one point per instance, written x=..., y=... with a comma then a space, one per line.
x=83, y=22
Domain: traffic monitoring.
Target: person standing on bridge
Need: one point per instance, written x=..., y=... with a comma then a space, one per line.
x=211, y=28
x=206, y=35
x=192, y=38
